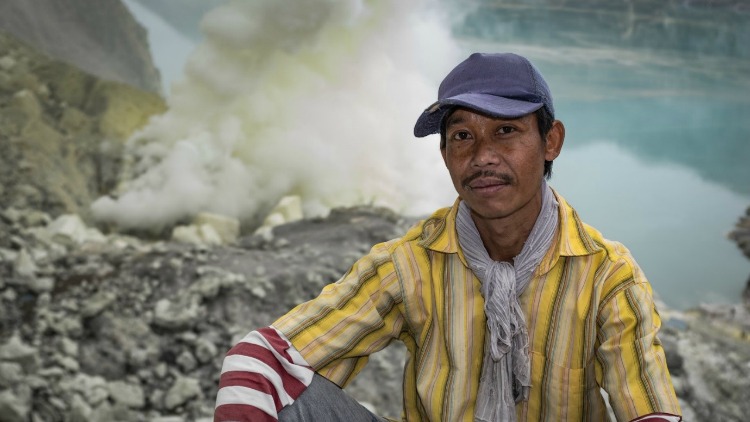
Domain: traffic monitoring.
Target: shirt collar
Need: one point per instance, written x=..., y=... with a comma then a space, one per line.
x=572, y=237
x=439, y=232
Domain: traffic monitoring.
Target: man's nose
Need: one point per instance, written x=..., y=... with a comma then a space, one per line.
x=485, y=153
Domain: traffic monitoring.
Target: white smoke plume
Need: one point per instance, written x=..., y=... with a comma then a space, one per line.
x=310, y=97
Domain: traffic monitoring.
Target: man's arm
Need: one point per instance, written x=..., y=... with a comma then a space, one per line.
x=634, y=368
x=260, y=375
x=350, y=319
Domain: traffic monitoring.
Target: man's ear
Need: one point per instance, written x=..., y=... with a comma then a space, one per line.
x=554, y=141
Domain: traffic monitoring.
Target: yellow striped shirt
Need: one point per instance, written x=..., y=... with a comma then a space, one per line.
x=589, y=309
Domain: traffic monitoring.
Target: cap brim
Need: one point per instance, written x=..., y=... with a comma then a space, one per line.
x=430, y=120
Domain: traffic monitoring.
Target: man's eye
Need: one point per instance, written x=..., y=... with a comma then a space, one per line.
x=461, y=136
x=506, y=129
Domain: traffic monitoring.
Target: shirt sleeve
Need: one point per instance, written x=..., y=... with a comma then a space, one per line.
x=633, y=366
x=260, y=375
x=358, y=315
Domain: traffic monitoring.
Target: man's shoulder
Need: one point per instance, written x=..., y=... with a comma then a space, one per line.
x=424, y=231
x=619, y=258
x=585, y=237
x=613, y=249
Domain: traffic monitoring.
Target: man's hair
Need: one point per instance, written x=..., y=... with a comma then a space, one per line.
x=544, y=122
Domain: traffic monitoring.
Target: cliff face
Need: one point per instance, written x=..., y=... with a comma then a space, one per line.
x=61, y=130
x=100, y=37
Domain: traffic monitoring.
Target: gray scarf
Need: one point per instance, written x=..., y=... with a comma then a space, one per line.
x=506, y=370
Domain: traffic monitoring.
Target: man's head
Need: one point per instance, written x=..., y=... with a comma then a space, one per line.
x=502, y=85
x=498, y=134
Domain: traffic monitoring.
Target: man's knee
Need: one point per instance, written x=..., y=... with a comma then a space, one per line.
x=323, y=400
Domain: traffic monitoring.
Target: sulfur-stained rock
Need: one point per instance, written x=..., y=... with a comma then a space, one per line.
x=68, y=346
x=92, y=388
x=168, y=314
x=202, y=234
x=73, y=121
x=68, y=363
x=97, y=303
x=11, y=373
x=183, y=389
x=227, y=228
x=168, y=419
x=127, y=393
x=79, y=410
x=27, y=103
x=186, y=361
x=205, y=350
x=16, y=350
x=13, y=408
x=7, y=62
x=287, y=210
x=24, y=265
x=119, y=109
x=70, y=229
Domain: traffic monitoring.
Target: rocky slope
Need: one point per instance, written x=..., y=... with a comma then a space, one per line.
x=741, y=235
x=96, y=327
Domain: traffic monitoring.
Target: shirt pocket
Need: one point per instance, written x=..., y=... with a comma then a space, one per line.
x=557, y=392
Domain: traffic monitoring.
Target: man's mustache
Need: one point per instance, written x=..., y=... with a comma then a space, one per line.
x=503, y=177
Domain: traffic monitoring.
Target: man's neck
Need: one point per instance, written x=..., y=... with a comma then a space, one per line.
x=504, y=237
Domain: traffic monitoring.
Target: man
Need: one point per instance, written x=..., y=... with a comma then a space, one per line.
x=510, y=307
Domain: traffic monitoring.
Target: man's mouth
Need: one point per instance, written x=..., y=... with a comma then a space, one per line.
x=487, y=181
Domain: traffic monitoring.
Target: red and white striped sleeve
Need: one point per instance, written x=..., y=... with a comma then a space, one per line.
x=260, y=375
x=658, y=417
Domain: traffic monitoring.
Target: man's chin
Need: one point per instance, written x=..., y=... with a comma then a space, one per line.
x=488, y=212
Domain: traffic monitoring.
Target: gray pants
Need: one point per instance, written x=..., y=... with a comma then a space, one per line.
x=323, y=400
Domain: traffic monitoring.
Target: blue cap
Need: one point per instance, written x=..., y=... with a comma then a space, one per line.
x=501, y=85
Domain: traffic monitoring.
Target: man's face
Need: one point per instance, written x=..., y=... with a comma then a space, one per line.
x=497, y=164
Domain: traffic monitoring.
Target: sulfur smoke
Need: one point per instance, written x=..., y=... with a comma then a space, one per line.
x=316, y=98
